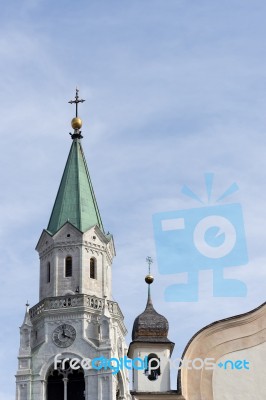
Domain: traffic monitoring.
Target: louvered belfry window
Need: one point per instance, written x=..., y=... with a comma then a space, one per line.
x=68, y=267
x=92, y=268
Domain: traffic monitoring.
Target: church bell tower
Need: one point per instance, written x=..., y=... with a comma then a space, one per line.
x=150, y=341
x=76, y=316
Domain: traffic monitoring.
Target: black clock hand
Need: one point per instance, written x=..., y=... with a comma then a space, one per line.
x=69, y=337
x=64, y=335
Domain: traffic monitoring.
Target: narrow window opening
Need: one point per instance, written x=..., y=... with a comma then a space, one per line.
x=48, y=272
x=92, y=268
x=68, y=267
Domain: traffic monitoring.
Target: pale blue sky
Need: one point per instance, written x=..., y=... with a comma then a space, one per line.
x=173, y=89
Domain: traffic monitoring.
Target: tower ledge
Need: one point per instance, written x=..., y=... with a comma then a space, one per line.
x=74, y=302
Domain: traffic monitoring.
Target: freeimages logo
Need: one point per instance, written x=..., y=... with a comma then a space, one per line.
x=209, y=237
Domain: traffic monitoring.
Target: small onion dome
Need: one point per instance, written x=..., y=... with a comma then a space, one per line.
x=150, y=326
x=76, y=123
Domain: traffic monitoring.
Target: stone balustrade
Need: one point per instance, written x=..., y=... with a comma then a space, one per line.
x=72, y=302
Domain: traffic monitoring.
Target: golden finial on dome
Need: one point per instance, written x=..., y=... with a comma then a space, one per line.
x=149, y=278
x=76, y=122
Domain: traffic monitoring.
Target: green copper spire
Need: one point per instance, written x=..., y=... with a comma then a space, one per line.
x=75, y=201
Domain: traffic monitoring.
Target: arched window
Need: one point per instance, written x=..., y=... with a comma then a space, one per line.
x=92, y=268
x=48, y=272
x=154, y=362
x=68, y=267
x=75, y=388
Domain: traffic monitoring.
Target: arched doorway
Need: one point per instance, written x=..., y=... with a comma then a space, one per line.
x=65, y=384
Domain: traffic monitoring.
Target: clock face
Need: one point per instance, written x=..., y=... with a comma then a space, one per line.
x=64, y=335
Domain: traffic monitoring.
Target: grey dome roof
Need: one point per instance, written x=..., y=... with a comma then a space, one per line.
x=150, y=326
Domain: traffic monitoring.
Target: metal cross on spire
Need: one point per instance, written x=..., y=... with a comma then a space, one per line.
x=149, y=261
x=77, y=101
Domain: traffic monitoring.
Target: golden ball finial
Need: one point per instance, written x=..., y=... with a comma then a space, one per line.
x=149, y=279
x=76, y=123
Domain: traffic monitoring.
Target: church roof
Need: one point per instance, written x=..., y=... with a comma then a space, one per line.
x=150, y=326
x=75, y=201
